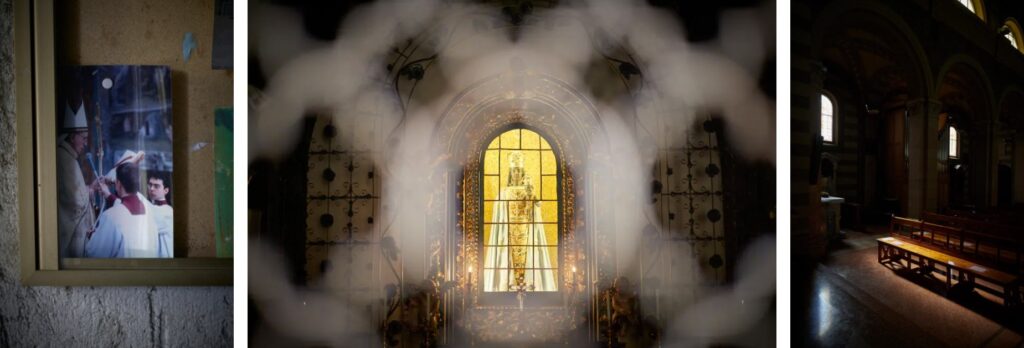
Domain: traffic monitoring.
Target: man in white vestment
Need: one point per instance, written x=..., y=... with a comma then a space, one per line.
x=75, y=216
x=518, y=224
x=126, y=228
x=159, y=188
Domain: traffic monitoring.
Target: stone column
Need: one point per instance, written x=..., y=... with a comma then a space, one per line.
x=922, y=155
x=1000, y=155
x=807, y=216
x=1018, y=169
x=942, y=164
x=980, y=163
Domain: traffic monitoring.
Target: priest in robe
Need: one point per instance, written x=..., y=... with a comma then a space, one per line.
x=126, y=228
x=514, y=263
x=75, y=212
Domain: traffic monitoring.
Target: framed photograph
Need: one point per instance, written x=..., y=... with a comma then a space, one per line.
x=114, y=162
x=97, y=160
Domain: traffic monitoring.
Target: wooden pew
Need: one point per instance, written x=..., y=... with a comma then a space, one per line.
x=977, y=225
x=972, y=240
x=900, y=225
x=1006, y=220
x=902, y=251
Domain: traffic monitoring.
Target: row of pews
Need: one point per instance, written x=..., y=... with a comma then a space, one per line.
x=970, y=253
x=1007, y=217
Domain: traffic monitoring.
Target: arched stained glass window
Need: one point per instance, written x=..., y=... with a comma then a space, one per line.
x=828, y=119
x=954, y=143
x=520, y=213
x=968, y=4
x=975, y=6
x=1013, y=33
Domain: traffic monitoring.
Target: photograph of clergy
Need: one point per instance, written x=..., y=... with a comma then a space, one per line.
x=114, y=162
x=128, y=226
x=109, y=216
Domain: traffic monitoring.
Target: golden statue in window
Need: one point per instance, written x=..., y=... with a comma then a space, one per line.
x=518, y=257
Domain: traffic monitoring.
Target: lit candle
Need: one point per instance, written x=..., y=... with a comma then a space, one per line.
x=573, y=279
x=469, y=279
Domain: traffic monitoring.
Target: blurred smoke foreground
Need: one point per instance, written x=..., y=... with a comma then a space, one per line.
x=665, y=76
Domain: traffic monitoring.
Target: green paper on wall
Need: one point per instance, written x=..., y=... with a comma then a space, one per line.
x=223, y=146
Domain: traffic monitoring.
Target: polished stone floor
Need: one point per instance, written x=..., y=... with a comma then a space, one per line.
x=851, y=300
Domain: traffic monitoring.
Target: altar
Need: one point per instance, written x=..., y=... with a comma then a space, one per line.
x=833, y=214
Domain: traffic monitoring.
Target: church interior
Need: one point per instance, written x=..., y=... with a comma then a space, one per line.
x=512, y=173
x=907, y=173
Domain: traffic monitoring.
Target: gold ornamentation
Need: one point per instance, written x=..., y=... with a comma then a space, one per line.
x=493, y=322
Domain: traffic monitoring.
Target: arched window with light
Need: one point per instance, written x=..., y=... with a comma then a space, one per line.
x=954, y=143
x=828, y=119
x=1011, y=31
x=520, y=213
x=975, y=6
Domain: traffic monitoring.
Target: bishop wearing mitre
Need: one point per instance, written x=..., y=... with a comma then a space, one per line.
x=75, y=216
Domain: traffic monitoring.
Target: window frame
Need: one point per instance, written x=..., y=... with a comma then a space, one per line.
x=835, y=119
x=531, y=298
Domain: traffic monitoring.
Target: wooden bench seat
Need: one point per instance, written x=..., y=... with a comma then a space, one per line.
x=896, y=250
x=1007, y=258
x=991, y=250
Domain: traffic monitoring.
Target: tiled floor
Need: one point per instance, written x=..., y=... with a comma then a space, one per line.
x=852, y=301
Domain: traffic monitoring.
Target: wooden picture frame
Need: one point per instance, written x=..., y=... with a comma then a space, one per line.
x=36, y=108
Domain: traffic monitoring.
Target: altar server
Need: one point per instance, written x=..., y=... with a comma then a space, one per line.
x=127, y=227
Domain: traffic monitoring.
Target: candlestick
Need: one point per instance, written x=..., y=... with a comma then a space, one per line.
x=469, y=287
x=608, y=309
x=657, y=305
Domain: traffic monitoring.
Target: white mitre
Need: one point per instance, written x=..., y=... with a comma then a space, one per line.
x=128, y=156
x=75, y=120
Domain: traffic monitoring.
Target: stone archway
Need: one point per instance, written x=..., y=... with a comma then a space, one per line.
x=876, y=66
x=967, y=104
x=1011, y=105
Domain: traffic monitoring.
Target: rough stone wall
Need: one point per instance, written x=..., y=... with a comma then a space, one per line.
x=89, y=316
